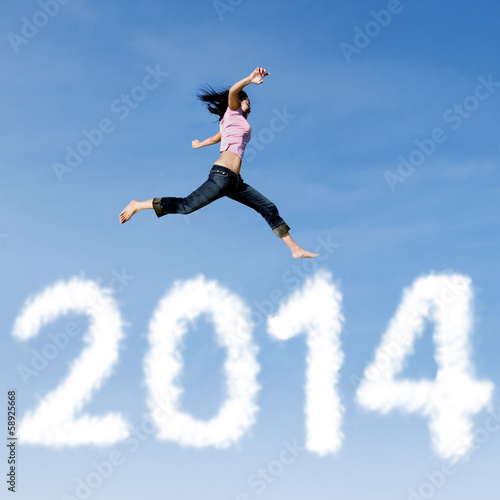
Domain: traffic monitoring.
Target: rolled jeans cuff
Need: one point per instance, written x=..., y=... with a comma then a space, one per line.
x=157, y=207
x=281, y=230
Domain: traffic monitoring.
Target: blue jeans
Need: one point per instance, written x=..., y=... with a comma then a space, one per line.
x=223, y=182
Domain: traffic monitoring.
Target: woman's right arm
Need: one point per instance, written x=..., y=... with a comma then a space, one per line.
x=256, y=77
x=207, y=142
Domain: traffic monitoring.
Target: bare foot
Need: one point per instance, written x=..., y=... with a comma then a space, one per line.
x=305, y=254
x=129, y=210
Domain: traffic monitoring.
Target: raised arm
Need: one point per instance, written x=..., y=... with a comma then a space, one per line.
x=256, y=77
x=207, y=142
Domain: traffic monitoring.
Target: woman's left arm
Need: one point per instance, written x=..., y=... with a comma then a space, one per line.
x=207, y=142
x=256, y=77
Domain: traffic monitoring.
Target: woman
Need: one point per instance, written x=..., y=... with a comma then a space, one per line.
x=233, y=108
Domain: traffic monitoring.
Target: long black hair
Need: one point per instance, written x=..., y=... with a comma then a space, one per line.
x=217, y=101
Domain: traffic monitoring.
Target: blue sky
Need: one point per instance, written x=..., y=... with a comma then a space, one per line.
x=350, y=120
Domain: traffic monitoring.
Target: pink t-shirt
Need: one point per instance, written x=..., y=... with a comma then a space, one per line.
x=235, y=131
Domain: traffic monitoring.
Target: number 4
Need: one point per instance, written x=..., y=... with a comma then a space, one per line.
x=449, y=401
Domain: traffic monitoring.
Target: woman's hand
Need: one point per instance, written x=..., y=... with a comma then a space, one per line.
x=258, y=75
x=207, y=142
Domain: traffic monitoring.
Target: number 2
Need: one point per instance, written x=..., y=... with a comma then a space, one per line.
x=55, y=421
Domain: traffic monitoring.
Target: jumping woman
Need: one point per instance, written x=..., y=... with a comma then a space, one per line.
x=232, y=107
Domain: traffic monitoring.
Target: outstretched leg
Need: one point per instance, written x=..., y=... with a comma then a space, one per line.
x=250, y=197
x=209, y=191
x=133, y=207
